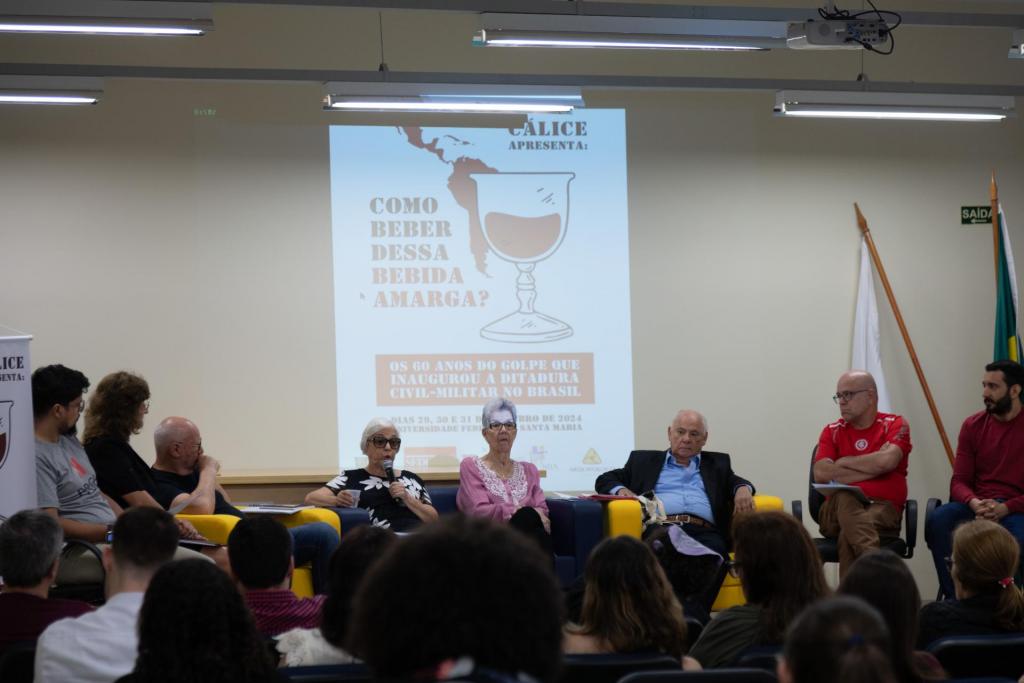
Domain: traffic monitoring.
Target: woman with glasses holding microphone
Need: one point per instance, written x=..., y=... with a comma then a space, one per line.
x=395, y=499
x=496, y=486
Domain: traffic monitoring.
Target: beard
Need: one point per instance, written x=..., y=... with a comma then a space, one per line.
x=70, y=431
x=999, y=407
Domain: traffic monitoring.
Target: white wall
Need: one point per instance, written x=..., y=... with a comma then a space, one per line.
x=196, y=251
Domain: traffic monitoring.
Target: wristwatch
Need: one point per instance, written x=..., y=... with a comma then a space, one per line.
x=109, y=538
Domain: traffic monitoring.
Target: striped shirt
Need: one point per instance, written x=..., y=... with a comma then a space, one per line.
x=277, y=610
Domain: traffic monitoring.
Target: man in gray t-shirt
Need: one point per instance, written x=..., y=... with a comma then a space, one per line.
x=66, y=481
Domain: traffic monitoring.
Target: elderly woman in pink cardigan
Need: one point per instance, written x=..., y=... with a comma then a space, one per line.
x=496, y=486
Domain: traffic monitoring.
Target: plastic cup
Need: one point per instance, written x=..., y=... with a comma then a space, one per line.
x=355, y=496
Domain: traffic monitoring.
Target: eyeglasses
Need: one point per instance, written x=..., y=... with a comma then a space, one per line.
x=498, y=426
x=381, y=442
x=844, y=396
x=198, y=445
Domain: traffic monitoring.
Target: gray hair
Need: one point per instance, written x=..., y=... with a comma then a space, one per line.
x=374, y=426
x=30, y=542
x=703, y=420
x=496, y=404
x=169, y=431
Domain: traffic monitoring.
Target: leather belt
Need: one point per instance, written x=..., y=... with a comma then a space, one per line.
x=690, y=519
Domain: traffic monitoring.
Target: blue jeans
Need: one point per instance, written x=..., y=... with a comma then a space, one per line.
x=938, y=534
x=314, y=543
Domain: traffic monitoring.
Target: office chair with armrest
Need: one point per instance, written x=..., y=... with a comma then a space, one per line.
x=828, y=548
x=17, y=663
x=94, y=592
x=612, y=667
x=736, y=675
x=975, y=656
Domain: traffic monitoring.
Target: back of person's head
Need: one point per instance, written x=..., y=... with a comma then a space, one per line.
x=194, y=626
x=114, y=406
x=460, y=587
x=55, y=385
x=30, y=543
x=779, y=569
x=985, y=559
x=349, y=564
x=881, y=578
x=628, y=602
x=839, y=640
x=145, y=538
x=260, y=552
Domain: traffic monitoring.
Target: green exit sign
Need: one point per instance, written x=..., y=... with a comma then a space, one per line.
x=975, y=215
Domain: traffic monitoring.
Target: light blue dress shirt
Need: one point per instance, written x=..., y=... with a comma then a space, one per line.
x=682, y=490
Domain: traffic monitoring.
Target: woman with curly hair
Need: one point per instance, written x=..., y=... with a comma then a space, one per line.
x=628, y=605
x=780, y=571
x=194, y=626
x=988, y=601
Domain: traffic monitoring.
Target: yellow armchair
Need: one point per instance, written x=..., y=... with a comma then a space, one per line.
x=217, y=528
x=623, y=517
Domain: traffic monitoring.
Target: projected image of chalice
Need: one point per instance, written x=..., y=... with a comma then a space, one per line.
x=524, y=217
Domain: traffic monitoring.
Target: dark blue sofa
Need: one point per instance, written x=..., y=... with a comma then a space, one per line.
x=576, y=527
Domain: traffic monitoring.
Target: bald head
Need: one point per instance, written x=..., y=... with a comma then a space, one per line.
x=857, y=396
x=178, y=444
x=689, y=415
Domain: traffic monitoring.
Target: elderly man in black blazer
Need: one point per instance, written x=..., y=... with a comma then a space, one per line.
x=699, y=489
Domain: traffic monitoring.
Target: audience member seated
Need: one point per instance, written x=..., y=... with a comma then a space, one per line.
x=396, y=499
x=500, y=488
x=194, y=627
x=689, y=566
x=699, y=489
x=869, y=449
x=881, y=578
x=984, y=561
x=260, y=550
x=117, y=410
x=186, y=479
x=66, y=486
x=628, y=606
x=464, y=589
x=780, y=571
x=30, y=544
x=101, y=646
x=351, y=562
x=839, y=640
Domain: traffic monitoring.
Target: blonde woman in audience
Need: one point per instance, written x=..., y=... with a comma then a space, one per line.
x=838, y=640
x=988, y=601
x=780, y=571
x=628, y=606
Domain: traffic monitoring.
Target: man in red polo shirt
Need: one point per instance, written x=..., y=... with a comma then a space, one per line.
x=867, y=449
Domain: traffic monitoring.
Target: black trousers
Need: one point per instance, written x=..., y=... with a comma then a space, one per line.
x=699, y=606
x=527, y=521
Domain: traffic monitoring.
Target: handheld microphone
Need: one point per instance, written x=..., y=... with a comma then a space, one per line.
x=389, y=471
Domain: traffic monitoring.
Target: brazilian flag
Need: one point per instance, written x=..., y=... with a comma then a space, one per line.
x=1007, y=340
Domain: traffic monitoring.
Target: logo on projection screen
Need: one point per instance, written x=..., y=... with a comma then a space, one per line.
x=5, y=430
x=524, y=216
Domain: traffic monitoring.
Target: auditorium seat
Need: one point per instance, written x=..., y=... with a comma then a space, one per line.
x=17, y=664
x=828, y=547
x=610, y=668
x=92, y=593
x=736, y=675
x=974, y=656
x=350, y=673
x=624, y=518
x=575, y=527
x=217, y=528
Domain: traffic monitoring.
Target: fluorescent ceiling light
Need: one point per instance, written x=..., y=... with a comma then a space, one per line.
x=110, y=27
x=106, y=17
x=631, y=33
x=447, y=97
x=49, y=90
x=892, y=105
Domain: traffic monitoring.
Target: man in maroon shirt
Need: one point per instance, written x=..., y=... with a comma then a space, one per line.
x=867, y=449
x=30, y=543
x=260, y=550
x=988, y=473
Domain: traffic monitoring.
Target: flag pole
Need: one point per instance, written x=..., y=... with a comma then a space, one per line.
x=993, y=192
x=863, y=224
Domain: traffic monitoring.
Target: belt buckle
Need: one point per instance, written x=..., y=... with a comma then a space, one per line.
x=685, y=519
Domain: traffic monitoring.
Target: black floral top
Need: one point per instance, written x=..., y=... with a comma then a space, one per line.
x=376, y=499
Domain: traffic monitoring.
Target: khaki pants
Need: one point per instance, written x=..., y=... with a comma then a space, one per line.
x=856, y=526
x=79, y=566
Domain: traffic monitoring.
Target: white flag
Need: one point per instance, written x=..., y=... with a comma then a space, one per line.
x=867, y=352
